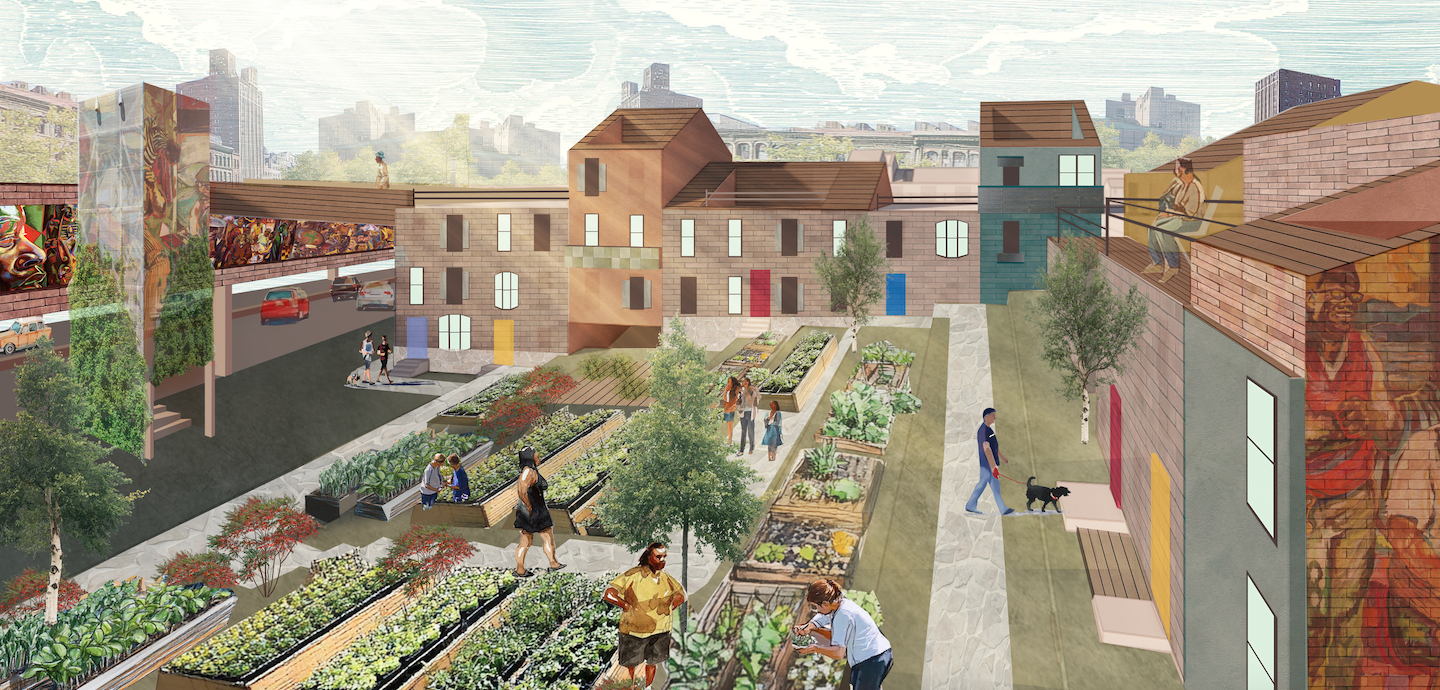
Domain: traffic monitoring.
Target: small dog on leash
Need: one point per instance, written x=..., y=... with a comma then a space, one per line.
x=1044, y=494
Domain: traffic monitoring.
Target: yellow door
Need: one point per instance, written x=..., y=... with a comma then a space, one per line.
x=504, y=341
x=1160, y=539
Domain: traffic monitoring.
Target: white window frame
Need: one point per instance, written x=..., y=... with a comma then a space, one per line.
x=952, y=239
x=837, y=232
x=687, y=237
x=637, y=230
x=454, y=332
x=417, y=285
x=503, y=222
x=736, y=232
x=592, y=229
x=1077, y=170
x=507, y=290
x=1260, y=639
x=1260, y=427
x=736, y=293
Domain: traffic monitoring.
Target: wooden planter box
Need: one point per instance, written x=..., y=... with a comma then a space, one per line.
x=501, y=502
x=850, y=445
x=292, y=668
x=327, y=508
x=795, y=400
x=460, y=425
x=742, y=595
x=414, y=671
x=851, y=516
x=581, y=517
x=869, y=371
x=370, y=507
x=751, y=570
x=735, y=364
x=583, y=500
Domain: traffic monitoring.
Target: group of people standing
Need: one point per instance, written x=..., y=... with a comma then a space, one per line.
x=742, y=397
x=370, y=352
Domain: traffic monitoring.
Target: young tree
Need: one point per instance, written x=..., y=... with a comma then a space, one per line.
x=1085, y=329
x=431, y=158
x=818, y=148
x=106, y=355
x=52, y=482
x=909, y=161
x=426, y=553
x=184, y=337
x=261, y=534
x=679, y=474
x=855, y=276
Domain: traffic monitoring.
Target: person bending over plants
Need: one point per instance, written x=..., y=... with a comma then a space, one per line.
x=848, y=633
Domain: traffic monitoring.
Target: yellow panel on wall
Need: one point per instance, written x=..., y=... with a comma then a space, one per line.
x=1160, y=539
x=505, y=341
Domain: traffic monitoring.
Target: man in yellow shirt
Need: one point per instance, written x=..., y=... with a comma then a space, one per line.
x=647, y=595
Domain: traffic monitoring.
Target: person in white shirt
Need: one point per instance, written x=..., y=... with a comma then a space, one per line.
x=851, y=633
x=431, y=484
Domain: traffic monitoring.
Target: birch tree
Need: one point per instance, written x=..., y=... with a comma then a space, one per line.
x=1086, y=330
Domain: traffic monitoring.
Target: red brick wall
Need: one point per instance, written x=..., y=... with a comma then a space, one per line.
x=930, y=279
x=541, y=320
x=1286, y=170
x=1372, y=470
x=24, y=193
x=1265, y=304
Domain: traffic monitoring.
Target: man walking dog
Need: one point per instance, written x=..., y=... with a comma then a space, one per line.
x=990, y=459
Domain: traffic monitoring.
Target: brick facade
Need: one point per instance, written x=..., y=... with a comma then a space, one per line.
x=542, y=317
x=1263, y=303
x=26, y=194
x=930, y=279
x=1286, y=170
x=1035, y=232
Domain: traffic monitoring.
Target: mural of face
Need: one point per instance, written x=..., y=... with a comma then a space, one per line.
x=22, y=262
x=60, y=233
x=1335, y=304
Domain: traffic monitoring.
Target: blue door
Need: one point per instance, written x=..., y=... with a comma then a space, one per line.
x=894, y=294
x=417, y=333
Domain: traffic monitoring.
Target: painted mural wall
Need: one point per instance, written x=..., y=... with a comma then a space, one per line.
x=241, y=240
x=1372, y=472
x=37, y=246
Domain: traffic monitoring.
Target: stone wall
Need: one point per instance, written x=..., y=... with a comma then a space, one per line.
x=1286, y=170
x=471, y=361
x=1263, y=303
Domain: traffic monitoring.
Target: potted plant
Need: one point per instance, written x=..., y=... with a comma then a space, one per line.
x=338, y=491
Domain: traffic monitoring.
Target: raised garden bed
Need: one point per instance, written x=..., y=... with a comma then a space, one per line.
x=798, y=376
x=369, y=506
x=820, y=488
x=588, y=524
x=473, y=409
x=746, y=358
x=818, y=672
x=579, y=484
x=328, y=508
x=862, y=416
x=798, y=553
x=892, y=377
x=500, y=501
x=749, y=622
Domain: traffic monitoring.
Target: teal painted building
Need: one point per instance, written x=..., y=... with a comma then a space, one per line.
x=1035, y=157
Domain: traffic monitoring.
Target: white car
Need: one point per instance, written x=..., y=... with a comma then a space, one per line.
x=378, y=294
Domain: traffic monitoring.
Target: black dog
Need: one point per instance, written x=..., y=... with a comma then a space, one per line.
x=1044, y=494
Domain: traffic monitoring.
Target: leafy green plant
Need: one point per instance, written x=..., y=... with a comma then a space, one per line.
x=595, y=367
x=583, y=471
x=859, y=414
x=387, y=473
x=794, y=368
x=884, y=352
x=905, y=402
x=843, y=490
x=105, y=351
x=807, y=552
x=761, y=631
x=695, y=661
x=728, y=622
x=806, y=491
x=867, y=601
x=815, y=672
x=184, y=337
x=769, y=552
x=823, y=461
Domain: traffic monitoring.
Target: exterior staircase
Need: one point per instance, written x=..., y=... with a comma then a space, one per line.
x=410, y=368
x=167, y=421
x=753, y=327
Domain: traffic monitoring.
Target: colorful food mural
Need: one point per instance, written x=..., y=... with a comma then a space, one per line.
x=1372, y=470
x=241, y=240
x=37, y=246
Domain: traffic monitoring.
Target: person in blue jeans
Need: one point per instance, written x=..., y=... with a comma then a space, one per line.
x=990, y=459
x=847, y=632
x=459, y=480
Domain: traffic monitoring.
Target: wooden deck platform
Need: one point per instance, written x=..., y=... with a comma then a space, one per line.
x=1135, y=256
x=605, y=392
x=1113, y=565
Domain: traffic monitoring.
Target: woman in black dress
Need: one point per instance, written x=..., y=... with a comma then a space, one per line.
x=531, y=514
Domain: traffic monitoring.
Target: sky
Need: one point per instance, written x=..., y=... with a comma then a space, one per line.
x=559, y=63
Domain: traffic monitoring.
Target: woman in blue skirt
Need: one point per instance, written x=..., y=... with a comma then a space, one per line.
x=772, y=438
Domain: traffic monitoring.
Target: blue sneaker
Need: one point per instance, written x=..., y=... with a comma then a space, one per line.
x=1008, y=511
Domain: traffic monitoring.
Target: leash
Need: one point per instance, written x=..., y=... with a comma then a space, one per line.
x=1013, y=480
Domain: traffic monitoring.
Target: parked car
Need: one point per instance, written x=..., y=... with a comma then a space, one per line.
x=344, y=287
x=287, y=303
x=378, y=294
x=23, y=333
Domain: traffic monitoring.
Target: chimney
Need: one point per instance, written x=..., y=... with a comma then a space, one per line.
x=20, y=85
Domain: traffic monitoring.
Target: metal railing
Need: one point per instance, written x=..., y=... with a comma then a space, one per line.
x=973, y=199
x=1061, y=213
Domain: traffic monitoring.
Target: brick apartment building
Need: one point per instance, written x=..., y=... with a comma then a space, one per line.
x=1274, y=444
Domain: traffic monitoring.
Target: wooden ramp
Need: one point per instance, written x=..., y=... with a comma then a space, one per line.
x=1125, y=614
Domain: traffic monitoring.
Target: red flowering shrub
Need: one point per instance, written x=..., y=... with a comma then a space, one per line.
x=510, y=415
x=261, y=534
x=426, y=552
x=211, y=568
x=25, y=594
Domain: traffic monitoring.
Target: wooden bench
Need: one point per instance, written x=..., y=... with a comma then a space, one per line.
x=1112, y=565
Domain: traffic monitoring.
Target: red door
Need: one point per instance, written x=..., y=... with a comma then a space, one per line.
x=1115, y=444
x=760, y=294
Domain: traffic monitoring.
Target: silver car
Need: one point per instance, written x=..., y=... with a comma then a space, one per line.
x=378, y=294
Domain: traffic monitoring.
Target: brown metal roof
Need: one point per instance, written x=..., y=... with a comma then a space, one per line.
x=1035, y=123
x=831, y=186
x=1299, y=118
x=643, y=128
x=1279, y=240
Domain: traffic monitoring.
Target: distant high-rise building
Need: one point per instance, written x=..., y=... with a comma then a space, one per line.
x=1121, y=110
x=365, y=125
x=516, y=137
x=1284, y=89
x=1156, y=110
x=654, y=91
x=237, y=109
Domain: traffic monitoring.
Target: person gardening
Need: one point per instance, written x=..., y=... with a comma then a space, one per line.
x=646, y=596
x=431, y=484
x=459, y=481
x=849, y=633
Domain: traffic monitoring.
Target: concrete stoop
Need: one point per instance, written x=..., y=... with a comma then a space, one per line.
x=753, y=327
x=1090, y=506
x=410, y=368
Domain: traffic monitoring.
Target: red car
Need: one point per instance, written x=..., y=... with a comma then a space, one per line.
x=287, y=303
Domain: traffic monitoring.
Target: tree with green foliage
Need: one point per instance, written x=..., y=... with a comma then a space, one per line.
x=511, y=175
x=855, y=276
x=326, y=166
x=185, y=333
x=52, y=482
x=430, y=157
x=909, y=161
x=105, y=353
x=28, y=156
x=817, y=148
x=679, y=473
x=1085, y=329
x=1152, y=152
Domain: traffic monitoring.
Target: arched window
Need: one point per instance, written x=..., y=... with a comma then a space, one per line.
x=974, y=160
x=455, y=332
x=762, y=152
x=952, y=238
x=507, y=291
x=742, y=150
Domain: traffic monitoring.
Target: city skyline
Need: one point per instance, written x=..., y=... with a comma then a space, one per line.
x=560, y=64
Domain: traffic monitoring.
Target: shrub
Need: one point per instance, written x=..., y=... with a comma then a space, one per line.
x=262, y=533
x=426, y=553
x=25, y=594
x=210, y=568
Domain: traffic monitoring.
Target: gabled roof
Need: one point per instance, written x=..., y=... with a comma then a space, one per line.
x=1342, y=228
x=642, y=128
x=1299, y=118
x=831, y=186
x=1036, y=123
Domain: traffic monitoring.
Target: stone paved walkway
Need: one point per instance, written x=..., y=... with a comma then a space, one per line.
x=967, y=643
